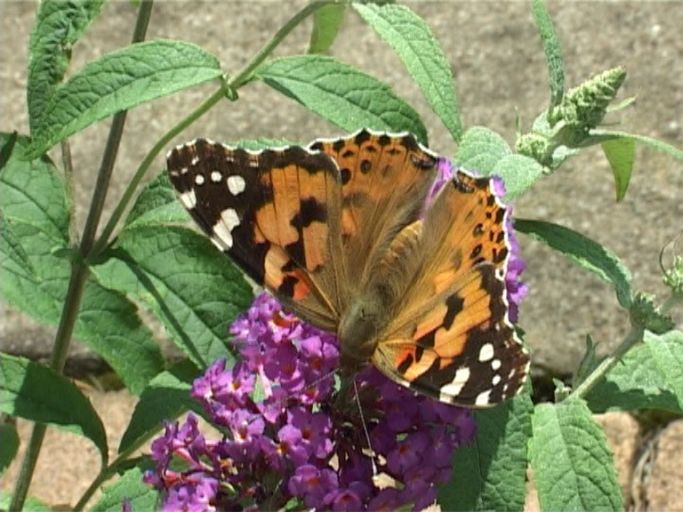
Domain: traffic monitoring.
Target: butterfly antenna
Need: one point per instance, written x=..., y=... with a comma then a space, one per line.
x=365, y=428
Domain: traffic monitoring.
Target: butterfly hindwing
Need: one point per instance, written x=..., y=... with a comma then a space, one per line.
x=451, y=337
x=274, y=212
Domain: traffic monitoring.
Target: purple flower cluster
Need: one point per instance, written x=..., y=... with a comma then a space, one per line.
x=516, y=289
x=291, y=438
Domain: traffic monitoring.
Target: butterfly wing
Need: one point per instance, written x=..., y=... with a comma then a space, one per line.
x=450, y=337
x=385, y=179
x=276, y=213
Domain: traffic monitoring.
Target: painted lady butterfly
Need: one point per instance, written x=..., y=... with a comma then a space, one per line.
x=338, y=233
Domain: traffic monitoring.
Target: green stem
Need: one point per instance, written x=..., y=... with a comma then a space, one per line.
x=241, y=78
x=144, y=166
x=634, y=336
x=108, y=472
x=77, y=280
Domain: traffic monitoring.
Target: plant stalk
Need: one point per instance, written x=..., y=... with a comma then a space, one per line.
x=79, y=275
x=634, y=336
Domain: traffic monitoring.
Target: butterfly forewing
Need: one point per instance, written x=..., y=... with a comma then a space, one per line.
x=385, y=179
x=451, y=337
x=274, y=212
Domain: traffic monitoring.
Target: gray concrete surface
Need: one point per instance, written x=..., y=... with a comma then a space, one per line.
x=498, y=61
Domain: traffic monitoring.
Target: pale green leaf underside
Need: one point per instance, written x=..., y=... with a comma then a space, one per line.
x=341, y=94
x=413, y=41
x=572, y=466
x=489, y=474
x=582, y=251
x=119, y=81
x=645, y=378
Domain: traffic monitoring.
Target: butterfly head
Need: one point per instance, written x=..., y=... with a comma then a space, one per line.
x=358, y=331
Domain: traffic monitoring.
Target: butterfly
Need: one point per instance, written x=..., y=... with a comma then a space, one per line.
x=339, y=233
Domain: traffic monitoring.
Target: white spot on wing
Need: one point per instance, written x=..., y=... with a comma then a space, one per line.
x=452, y=389
x=496, y=379
x=223, y=229
x=195, y=160
x=495, y=364
x=199, y=179
x=486, y=352
x=236, y=185
x=184, y=170
x=230, y=219
x=483, y=398
x=189, y=199
x=216, y=176
x=223, y=237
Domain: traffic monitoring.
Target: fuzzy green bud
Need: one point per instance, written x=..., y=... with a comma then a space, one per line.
x=645, y=314
x=534, y=146
x=585, y=106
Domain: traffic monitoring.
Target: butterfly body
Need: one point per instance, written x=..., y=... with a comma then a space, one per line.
x=339, y=232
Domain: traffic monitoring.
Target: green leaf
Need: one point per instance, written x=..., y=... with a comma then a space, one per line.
x=33, y=193
x=413, y=41
x=573, y=467
x=24, y=387
x=481, y=149
x=552, y=49
x=326, y=24
x=519, y=173
x=30, y=505
x=180, y=276
x=108, y=323
x=34, y=278
x=9, y=445
x=131, y=488
x=120, y=81
x=620, y=153
x=157, y=205
x=647, y=377
x=584, y=252
x=667, y=352
x=58, y=26
x=165, y=398
x=599, y=136
x=341, y=94
x=489, y=474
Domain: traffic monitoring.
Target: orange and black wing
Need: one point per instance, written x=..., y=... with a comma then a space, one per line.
x=275, y=212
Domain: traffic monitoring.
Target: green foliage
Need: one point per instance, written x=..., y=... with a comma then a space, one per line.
x=131, y=488
x=9, y=445
x=621, y=154
x=584, y=252
x=23, y=386
x=119, y=81
x=489, y=474
x=58, y=26
x=166, y=397
x=181, y=277
x=326, y=24
x=648, y=377
x=34, y=274
x=341, y=94
x=552, y=49
x=572, y=465
x=413, y=41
